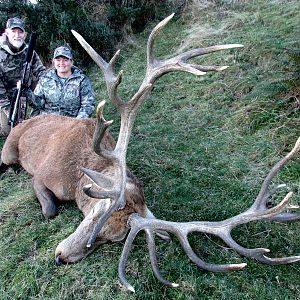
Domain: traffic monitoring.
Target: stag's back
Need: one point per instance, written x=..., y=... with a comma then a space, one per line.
x=53, y=148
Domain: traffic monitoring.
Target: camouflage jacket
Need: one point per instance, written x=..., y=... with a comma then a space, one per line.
x=73, y=97
x=11, y=70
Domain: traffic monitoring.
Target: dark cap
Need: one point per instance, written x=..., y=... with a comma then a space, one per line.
x=63, y=51
x=15, y=23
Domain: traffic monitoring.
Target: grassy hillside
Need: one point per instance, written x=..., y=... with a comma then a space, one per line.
x=202, y=147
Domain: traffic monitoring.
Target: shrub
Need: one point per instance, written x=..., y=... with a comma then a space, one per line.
x=102, y=23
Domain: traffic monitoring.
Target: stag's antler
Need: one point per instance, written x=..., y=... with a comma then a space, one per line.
x=222, y=229
x=114, y=189
x=128, y=110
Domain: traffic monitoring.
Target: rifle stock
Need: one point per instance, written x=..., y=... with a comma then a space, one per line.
x=16, y=103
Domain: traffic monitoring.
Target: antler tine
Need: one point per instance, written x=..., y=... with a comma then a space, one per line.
x=264, y=193
x=153, y=35
x=100, y=129
x=201, y=263
x=98, y=178
x=112, y=81
x=93, y=54
x=153, y=259
x=249, y=216
x=222, y=229
x=126, y=249
x=99, y=195
x=156, y=68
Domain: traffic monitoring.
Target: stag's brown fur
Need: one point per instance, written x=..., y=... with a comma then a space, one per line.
x=52, y=149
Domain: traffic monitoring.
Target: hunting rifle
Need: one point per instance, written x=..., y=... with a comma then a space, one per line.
x=15, y=112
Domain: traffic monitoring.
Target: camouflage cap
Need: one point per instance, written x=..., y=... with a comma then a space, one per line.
x=63, y=51
x=15, y=23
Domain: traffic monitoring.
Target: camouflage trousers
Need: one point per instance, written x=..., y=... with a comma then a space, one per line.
x=4, y=127
x=4, y=117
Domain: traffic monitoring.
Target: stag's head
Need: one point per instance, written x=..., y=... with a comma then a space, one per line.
x=74, y=247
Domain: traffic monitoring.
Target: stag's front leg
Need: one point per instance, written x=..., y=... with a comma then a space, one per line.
x=46, y=198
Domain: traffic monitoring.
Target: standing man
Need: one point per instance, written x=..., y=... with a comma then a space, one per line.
x=13, y=52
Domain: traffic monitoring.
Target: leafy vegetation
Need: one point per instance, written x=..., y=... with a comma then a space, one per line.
x=201, y=146
x=104, y=23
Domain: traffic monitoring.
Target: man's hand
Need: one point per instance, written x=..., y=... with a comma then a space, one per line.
x=19, y=84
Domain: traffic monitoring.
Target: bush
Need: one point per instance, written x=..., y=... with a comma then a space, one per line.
x=102, y=23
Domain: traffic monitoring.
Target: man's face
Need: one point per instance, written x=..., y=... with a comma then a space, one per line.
x=16, y=37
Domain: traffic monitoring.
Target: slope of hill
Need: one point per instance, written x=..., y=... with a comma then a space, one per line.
x=202, y=147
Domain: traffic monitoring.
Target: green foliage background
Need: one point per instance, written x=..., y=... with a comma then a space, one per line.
x=103, y=23
x=202, y=147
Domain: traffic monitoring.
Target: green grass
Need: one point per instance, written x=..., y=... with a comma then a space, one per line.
x=202, y=147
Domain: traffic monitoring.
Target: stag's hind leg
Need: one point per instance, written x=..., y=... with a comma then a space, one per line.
x=46, y=198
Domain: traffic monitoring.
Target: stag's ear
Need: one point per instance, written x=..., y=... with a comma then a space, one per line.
x=99, y=179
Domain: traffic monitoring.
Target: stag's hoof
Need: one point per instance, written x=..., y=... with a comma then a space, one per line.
x=58, y=260
x=50, y=210
x=17, y=169
x=5, y=170
x=3, y=167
